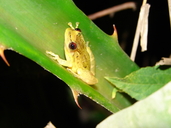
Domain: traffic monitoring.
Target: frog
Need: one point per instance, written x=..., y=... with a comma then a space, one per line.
x=79, y=57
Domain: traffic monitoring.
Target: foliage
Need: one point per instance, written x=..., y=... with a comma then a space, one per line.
x=33, y=27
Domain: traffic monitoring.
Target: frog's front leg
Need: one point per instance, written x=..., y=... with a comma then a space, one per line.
x=62, y=62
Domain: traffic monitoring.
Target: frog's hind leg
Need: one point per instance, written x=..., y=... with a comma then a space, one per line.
x=86, y=76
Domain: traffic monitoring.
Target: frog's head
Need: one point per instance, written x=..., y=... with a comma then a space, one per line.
x=74, y=40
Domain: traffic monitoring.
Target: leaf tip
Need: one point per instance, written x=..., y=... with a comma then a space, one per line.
x=2, y=48
x=75, y=95
x=115, y=34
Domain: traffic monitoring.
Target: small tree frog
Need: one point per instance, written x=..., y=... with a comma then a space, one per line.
x=79, y=58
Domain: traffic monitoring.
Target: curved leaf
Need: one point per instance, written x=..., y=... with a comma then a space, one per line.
x=32, y=27
x=152, y=112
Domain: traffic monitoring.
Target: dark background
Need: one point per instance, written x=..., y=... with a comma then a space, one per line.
x=31, y=96
x=159, y=36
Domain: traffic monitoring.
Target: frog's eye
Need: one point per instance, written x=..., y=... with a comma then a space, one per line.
x=72, y=45
x=77, y=29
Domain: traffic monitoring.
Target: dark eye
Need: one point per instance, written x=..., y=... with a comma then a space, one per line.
x=77, y=29
x=72, y=45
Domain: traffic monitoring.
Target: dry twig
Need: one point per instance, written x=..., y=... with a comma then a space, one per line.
x=142, y=30
x=128, y=5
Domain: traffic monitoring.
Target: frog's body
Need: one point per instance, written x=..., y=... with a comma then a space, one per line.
x=79, y=58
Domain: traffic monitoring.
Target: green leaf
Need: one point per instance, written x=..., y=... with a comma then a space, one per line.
x=152, y=112
x=33, y=27
x=142, y=82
